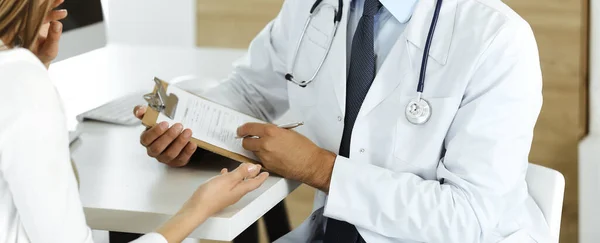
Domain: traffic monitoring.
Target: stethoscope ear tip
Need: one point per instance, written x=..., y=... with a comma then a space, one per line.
x=289, y=77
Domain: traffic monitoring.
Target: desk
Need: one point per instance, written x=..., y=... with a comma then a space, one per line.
x=124, y=190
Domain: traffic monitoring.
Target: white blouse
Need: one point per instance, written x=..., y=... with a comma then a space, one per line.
x=39, y=198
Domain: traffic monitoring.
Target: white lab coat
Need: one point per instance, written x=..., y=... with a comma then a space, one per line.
x=458, y=178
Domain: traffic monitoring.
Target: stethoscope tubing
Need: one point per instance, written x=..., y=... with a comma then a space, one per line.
x=418, y=110
x=434, y=20
x=336, y=21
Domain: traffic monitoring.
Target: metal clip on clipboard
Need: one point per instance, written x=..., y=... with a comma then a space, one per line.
x=160, y=101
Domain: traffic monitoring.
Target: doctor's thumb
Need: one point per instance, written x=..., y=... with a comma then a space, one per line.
x=139, y=111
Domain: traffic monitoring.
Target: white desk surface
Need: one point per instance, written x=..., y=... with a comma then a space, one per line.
x=124, y=190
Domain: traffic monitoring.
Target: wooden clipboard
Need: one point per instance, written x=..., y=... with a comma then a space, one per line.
x=159, y=102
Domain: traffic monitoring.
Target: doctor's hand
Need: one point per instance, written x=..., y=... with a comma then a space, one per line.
x=171, y=146
x=289, y=154
x=46, y=48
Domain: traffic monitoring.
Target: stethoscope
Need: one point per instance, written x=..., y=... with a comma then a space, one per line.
x=418, y=110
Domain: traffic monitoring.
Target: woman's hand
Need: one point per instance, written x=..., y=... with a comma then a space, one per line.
x=226, y=189
x=212, y=197
x=46, y=48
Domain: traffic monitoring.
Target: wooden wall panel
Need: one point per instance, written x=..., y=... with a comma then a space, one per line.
x=584, y=76
x=233, y=23
x=560, y=28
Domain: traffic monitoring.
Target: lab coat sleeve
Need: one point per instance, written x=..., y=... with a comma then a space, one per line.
x=257, y=86
x=485, y=162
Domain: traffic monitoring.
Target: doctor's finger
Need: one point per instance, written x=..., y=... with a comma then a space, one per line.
x=173, y=150
x=161, y=143
x=139, y=111
x=252, y=129
x=252, y=144
x=150, y=135
x=185, y=155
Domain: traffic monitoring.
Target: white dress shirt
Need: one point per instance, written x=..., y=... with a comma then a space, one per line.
x=39, y=198
x=390, y=22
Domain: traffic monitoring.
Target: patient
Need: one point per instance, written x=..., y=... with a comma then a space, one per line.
x=39, y=201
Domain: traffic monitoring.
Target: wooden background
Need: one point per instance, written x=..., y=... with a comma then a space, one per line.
x=560, y=27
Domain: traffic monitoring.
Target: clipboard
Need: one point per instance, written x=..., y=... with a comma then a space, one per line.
x=160, y=102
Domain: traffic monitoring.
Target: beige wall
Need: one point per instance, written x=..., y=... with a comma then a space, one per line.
x=561, y=31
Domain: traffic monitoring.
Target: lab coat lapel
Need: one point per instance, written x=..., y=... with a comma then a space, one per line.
x=418, y=28
x=398, y=67
x=395, y=69
x=338, y=54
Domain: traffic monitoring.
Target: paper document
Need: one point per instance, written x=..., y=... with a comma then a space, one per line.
x=210, y=122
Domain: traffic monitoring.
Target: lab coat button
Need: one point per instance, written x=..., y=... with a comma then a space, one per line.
x=362, y=150
x=339, y=118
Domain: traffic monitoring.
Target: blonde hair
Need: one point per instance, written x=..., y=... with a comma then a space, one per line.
x=21, y=21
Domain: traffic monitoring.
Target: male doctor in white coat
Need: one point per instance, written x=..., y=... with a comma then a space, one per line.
x=459, y=177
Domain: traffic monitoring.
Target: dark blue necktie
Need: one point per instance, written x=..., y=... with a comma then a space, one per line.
x=360, y=78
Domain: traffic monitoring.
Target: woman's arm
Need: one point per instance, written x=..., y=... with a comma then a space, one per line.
x=210, y=198
x=46, y=197
x=35, y=164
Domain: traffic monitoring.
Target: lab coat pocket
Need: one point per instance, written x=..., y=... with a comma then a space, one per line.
x=306, y=65
x=321, y=26
x=302, y=101
x=313, y=46
x=422, y=145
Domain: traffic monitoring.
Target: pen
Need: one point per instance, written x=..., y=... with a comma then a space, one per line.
x=291, y=125
x=284, y=126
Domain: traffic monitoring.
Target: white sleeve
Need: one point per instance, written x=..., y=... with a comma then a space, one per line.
x=36, y=166
x=151, y=238
x=257, y=86
x=486, y=159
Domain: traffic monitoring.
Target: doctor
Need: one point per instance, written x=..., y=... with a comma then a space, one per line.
x=418, y=115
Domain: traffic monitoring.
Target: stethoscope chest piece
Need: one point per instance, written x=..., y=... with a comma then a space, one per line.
x=418, y=111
